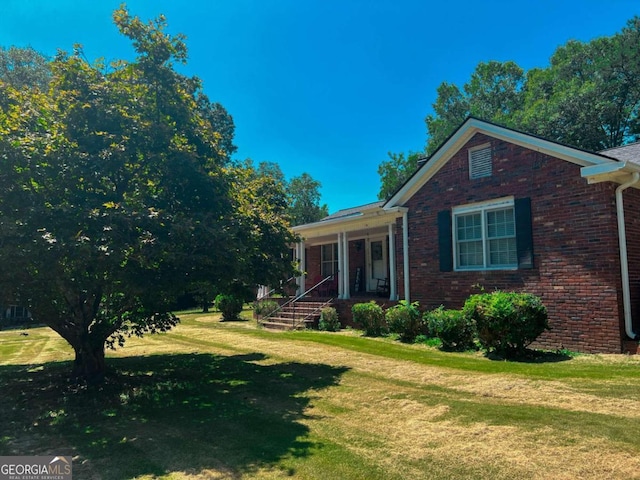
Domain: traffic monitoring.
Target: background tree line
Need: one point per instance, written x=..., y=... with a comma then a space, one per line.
x=588, y=97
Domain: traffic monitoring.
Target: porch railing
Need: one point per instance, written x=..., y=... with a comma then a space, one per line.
x=262, y=297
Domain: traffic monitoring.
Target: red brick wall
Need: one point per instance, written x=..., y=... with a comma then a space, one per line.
x=356, y=259
x=576, y=263
x=313, y=259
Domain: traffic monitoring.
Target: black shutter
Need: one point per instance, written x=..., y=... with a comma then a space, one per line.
x=445, y=242
x=524, y=232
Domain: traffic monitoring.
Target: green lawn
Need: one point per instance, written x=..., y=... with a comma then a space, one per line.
x=221, y=400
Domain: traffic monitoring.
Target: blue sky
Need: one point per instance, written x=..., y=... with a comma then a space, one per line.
x=327, y=87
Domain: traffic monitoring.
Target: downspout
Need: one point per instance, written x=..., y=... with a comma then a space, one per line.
x=624, y=261
x=405, y=256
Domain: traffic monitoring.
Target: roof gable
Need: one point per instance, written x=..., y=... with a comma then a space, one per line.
x=470, y=127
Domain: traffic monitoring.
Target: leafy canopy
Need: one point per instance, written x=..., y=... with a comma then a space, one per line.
x=119, y=194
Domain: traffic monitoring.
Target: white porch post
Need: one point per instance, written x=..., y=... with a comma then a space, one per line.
x=345, y=268
x=339, y=272
x=393, y=294
x=300, y=253
x=405, y=256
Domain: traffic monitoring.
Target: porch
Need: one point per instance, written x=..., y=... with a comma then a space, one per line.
x=358, y=249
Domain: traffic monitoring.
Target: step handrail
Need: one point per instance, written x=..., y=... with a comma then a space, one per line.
x=313, y=312
x=294, y=300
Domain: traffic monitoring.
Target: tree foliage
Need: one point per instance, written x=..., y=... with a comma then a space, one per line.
x=119, y=193
x=24, y=67
x=494, y=92
x=395, y=171
x=302, y=192
x=588, y=97
x=304, y=200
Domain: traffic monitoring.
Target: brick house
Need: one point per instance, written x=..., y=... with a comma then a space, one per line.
x=501, y=209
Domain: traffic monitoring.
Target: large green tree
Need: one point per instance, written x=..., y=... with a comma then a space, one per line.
x=588, y=96
x=118, y=193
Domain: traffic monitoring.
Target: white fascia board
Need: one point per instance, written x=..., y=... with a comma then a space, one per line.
x=348, y=224
x=396, y=209
x=609, y=172
x=564, y=152
x=468, y=130
x=322, y=224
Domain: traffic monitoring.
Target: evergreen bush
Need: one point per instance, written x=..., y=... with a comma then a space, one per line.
x=229, y=305
x=264, y=308
x=329, y=321
x=405, y=319
x=506, y=322
x=370, y=317
x=452, y=327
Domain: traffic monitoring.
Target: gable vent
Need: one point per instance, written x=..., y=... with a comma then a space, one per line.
x=480, y=162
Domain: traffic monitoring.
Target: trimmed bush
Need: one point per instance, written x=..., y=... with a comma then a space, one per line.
x=229, y=305
x=370, y=317
x=452, y=327
x=329, y=321
x=506, y=322
x=405, y=319
x=264, y=308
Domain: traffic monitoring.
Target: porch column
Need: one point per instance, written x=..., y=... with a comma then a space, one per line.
x=393, y=294
x=405, y=256
x=300, y=253
x=345, y=268
x=339, y=272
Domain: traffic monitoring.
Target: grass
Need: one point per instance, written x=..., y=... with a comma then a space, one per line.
x=224, y=400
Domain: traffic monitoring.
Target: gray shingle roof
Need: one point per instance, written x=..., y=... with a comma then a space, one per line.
x=626, y=153
x=352, y=211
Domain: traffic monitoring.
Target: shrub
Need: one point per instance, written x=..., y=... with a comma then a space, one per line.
x=370, y=317
x=264, y=308
x=229, y=305
x=452, y=327
x=507, y=322
x=405, y=320
x=329, y=321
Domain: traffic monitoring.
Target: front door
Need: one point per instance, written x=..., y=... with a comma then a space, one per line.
x=377, y=263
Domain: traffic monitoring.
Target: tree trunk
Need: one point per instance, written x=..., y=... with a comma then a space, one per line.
x=89, y=364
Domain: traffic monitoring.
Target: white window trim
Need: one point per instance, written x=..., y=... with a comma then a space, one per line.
x=333, y=261
x=483, y=208
x=475, y=149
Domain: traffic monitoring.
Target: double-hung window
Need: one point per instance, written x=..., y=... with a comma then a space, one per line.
x=485, y=236
x=329, y=259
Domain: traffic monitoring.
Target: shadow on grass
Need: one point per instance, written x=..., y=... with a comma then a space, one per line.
x=531, y=356
x=165, y=413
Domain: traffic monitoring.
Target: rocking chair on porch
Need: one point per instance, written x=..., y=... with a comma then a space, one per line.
x=382, y=290
x=327, y=289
